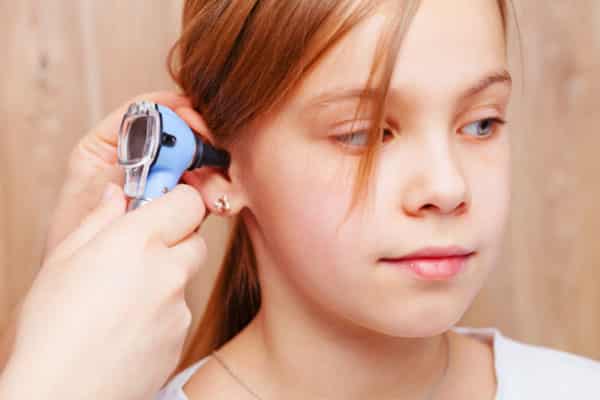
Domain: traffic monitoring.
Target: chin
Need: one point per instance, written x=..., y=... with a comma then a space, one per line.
x=424, y=319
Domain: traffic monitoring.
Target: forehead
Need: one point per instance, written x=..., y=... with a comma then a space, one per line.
x=449, y=44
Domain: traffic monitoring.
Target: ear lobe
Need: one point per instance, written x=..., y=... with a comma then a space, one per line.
x=212, y=185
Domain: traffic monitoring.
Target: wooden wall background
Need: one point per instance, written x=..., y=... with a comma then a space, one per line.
x=67, y=63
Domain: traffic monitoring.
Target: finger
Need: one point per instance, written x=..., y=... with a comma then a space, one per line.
x=111, y=207
x=193, y=119
x=171, y=217
x=190, y=254
x=191, y=178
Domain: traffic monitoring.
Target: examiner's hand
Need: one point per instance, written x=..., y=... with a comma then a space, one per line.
x=106, y=316
x=93, y=164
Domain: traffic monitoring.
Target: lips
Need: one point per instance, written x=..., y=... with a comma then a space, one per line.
x=432, y=253
x=433, y=263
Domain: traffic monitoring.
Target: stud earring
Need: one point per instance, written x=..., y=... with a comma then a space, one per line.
x=222, y=204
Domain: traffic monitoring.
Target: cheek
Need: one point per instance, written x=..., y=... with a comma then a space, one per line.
x=299, y=195
x=489, y=177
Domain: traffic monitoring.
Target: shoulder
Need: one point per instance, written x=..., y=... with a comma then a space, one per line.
x=530, y=371
x=202, y=380
x=173, y=390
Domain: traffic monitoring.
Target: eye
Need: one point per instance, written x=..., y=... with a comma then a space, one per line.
x=360, y=138
x=483, y=128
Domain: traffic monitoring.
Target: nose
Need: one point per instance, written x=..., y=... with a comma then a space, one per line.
x=439, y=186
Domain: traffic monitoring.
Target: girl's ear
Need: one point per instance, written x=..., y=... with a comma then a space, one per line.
x=212, y=183
x=216, y=189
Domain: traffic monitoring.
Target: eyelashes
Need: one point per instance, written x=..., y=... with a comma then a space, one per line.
x=490, y=126
x=358, y=138
x=479, y=130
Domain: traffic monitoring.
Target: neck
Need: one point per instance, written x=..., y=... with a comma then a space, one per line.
x=300, y=354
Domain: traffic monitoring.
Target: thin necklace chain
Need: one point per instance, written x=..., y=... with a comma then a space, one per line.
x=256, y=396
x=234, y=376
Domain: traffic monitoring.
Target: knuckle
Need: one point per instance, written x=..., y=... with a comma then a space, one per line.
x=190, y=270
x=195, y=256
x=183, y=319
x=172, y=278
x=179, y=278
x=186, y=318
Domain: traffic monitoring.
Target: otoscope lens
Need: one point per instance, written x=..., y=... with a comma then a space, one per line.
x=137, y=142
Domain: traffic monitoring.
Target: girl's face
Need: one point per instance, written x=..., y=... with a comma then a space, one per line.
x=441, y=179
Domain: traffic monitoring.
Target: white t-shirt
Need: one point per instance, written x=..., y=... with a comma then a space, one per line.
x=523, y=371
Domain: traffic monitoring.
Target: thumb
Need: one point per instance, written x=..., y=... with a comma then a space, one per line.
x=111, y=206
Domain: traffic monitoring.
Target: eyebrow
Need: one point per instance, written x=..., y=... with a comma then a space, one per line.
x=335, y=96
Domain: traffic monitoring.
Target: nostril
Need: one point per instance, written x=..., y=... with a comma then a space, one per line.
x=461, y=209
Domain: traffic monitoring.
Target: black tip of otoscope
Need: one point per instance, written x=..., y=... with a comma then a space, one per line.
x=209, y=156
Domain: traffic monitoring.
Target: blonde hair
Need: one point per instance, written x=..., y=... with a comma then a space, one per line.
x=239, y=59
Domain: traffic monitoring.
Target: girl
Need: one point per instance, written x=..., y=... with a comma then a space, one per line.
x=369, y=188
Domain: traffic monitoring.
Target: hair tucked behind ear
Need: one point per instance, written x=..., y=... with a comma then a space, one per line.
x=239, y=59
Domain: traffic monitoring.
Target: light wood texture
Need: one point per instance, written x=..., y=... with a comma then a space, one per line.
x=67, y=63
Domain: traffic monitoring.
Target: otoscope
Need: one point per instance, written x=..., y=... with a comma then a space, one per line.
x=155, y=147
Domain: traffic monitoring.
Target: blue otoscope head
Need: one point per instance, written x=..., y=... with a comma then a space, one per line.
x=156, y=147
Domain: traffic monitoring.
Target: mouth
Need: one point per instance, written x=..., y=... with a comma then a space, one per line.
x=433, y=263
